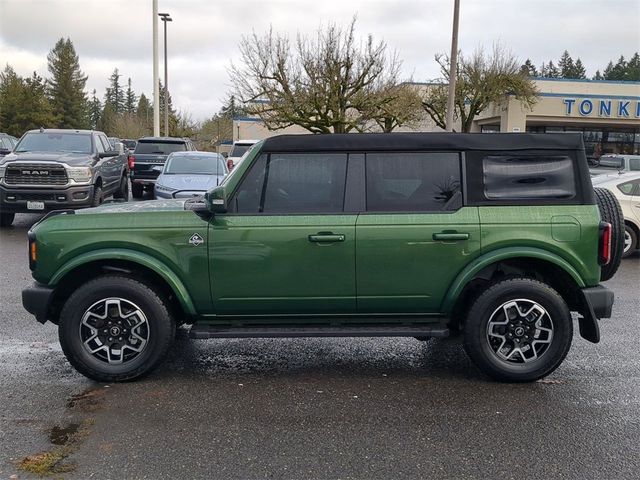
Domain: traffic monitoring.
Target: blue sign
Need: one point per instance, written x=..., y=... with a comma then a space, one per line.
x=602, y=108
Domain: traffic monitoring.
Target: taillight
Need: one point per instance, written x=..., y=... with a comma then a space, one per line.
x=604, y=253
x=230, y=164
x=132, y=162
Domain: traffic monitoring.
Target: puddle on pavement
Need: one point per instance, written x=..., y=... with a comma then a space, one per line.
x=63, y=435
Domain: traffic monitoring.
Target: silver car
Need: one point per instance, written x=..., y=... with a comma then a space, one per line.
x=190, y=174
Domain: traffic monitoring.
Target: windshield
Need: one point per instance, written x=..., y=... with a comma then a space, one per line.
x=55, y=142
x=195, y=165
x=611, y=162
x=160, y=148
x=239, y=150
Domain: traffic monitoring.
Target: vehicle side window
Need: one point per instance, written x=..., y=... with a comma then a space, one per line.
x=99, y=146
x=3, y=144
x=294, y=183
x=413, y=182
x=630, y=188
x=520, y=177
x=106, y=143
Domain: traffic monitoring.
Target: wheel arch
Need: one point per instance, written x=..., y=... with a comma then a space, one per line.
x=633, y=225
x=138, y=265
x=532, y=262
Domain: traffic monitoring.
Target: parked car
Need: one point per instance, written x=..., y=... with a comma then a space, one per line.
x=238, y=151
x=498, y=237
x=626, y=188
x=52, y=169
x=190, y=174
x=129, y=144
x=147, y=160
x=7, y=142
x=612, y=162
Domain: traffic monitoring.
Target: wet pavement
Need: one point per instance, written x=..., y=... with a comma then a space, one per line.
x=316, y=408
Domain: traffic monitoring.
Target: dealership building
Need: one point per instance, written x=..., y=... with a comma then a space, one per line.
x=607, y=113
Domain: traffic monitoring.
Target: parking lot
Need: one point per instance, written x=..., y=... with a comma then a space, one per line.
x=317, y=408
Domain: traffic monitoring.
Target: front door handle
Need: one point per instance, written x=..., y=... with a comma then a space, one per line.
x=326, y=237
x=450, y=237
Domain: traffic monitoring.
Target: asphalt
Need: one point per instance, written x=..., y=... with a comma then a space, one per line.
x=318, y=408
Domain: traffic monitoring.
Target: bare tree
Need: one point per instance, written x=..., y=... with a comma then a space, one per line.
x=481, y=80
x=398, y=105
x=324, y=84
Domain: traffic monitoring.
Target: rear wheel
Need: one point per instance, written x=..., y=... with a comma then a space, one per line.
x=115, y=328
x=611, y=212
x=630, y=240
x=137, y=190
x=6, y=219
x=518, y=330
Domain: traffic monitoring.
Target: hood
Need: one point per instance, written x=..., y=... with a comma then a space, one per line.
x=190, y=182
x=134, y=207
x=72, y=159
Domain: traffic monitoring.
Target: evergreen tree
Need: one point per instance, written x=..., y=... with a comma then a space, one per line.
x=566, y=66
x=173, y=119
x=66, y=86
x=108, y=119
x=579, y=70
x=598, y=76
x=617, y=71
x=144, y=112
x=130, y=99
x=95, y=110
x=549, y=70
x=633, y=68
x=10, y=94
x=114, y=95
x=529, y=68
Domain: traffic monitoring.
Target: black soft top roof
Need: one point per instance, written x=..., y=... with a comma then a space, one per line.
x=423, y=141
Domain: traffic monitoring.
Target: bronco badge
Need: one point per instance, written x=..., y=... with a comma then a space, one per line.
x=196, y=240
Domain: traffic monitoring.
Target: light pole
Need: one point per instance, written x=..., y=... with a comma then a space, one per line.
x=156, y=93
x=453, y=60
x=166, y=18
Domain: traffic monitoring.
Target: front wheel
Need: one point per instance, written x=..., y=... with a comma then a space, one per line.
x=518, y=330
x=115, y=328
x=630, y=240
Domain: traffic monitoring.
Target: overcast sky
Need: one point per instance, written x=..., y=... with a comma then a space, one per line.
x=204, y=35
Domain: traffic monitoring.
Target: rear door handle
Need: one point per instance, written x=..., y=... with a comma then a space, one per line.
x=327, y=237
x=449, y=237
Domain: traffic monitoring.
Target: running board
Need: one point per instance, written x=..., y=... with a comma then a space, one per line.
x=216, y=331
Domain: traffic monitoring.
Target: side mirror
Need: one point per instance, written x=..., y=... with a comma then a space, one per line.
x=120, y=148
x=216, y=200
x=108, y=153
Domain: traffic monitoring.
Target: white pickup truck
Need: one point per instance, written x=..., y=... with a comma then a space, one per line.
x=611, y=162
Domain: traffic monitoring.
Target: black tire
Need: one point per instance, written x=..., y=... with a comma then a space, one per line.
x=488, y=352
x=6, y=219
x=630, y=241
x=97, y=196
x=611, y=212
x=123, y=189
x=159, y=325
x=137, y=190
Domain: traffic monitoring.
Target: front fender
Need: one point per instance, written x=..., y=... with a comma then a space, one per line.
x=495, y=256
x=143, y=259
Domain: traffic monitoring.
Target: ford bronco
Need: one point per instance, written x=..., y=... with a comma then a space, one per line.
x=496, y=238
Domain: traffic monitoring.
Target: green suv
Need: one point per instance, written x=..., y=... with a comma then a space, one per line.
x=497, y=238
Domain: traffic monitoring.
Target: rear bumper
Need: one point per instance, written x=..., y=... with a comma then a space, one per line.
x=597, y=302
x=36, y=300
x=600, y=299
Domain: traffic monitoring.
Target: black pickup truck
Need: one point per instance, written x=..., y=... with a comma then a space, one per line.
x=148, y=159
x=56, y=169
